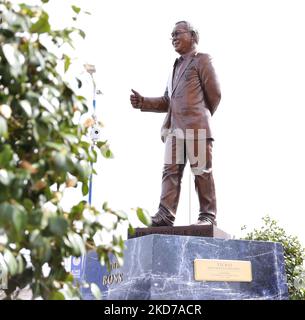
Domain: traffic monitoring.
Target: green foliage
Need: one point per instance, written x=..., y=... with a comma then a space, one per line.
x=43, y=152
x=294, y=254
x=143, y=216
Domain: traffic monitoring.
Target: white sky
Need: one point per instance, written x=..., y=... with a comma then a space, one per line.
x=259, y=56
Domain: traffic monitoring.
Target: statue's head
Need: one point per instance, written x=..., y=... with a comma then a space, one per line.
x=184, y=37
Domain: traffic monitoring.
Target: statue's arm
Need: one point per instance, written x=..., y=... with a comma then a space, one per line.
x=159, y=104
x=209, y=83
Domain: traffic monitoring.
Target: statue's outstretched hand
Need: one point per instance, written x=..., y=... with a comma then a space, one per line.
x=136, y=99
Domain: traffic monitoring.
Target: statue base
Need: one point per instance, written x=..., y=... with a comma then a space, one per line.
x=163, y=267
x=192, y=230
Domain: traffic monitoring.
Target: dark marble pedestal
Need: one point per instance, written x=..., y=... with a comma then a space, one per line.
x=161, y=266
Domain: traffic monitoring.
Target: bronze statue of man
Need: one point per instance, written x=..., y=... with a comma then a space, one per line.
x=191, y=98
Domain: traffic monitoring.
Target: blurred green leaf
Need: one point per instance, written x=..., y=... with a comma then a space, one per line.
x=67, y=62
x=14, y=58
x=57, y=296
x=19, y=218
x=11, y=262
x=69, y=278
x=104, y=149
x=42, y=130
x=7, y=33
x=26, y=106
x=6, y=154
x=131, y=230
x=3, y=127
x=4, y=177
x=101, y=143
x=56, y=146
x=76, y=211
x=60, y=161
x=85, y=189
x=108, y=154
x=76, y=9
x=58, y=226
x=6, y=212
x=42, y=25
x=121, y=214
x=20, y=263
x=82, y=34
x=143, y=216
x=76, y=243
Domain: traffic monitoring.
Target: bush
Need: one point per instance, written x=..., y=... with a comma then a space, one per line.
x=43, y=152
x=294, y=254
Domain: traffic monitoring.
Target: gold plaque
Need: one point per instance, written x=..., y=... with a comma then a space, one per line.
x=222, y=270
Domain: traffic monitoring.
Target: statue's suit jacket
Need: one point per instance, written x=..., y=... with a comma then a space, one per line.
x=191, y=100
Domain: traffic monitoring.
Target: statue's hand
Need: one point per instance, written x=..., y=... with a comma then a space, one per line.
x=136, y=99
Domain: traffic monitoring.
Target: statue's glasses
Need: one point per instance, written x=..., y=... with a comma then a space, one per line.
x=176, y=34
